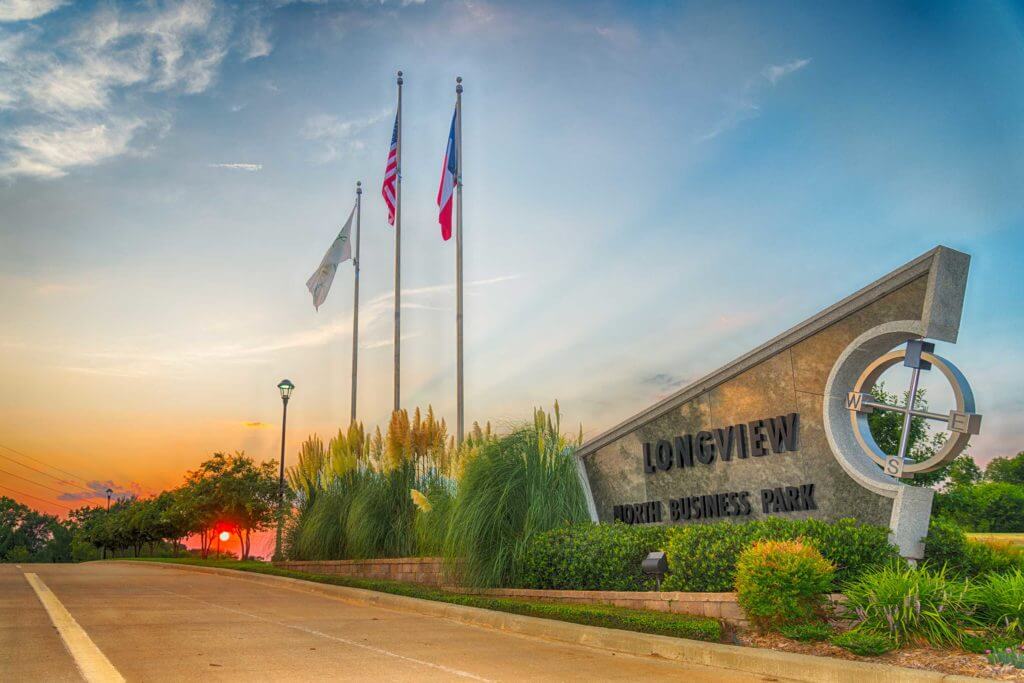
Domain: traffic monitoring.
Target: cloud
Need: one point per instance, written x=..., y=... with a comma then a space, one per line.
x=238, y=166
x=336, y=135
x=776, y=72
x=20, y=10
x=745, y=105
x=138, y=363
x=81, y=92
x=98, y=491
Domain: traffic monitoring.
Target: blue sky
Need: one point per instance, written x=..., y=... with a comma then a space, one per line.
x=651, y=190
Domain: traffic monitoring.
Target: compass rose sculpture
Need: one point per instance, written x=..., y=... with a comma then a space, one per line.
x=961, y=422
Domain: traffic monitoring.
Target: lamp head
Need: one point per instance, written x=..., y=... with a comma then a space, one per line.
x=286, y=387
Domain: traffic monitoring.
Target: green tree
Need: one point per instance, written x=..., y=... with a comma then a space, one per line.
x=887, y=426
x=996, y=507
x=1006, y=470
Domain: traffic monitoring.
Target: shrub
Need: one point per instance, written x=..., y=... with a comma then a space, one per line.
x=909, y=605
x=811, y=632
x=702, y=557
x=782, y=582
x=1007, y=657
x=592, y=557
x=864, y=643
x=947, y=546
x=998, y=600
x=515, y=487
x=989, y=506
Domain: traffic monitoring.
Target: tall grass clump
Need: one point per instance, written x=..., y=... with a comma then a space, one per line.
x=511, y=489
x=999, y=601
x=910, y=605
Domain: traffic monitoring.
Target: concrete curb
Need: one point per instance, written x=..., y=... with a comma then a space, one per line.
x=770, y=663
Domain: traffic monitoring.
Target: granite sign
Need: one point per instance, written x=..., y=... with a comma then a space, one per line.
x=782, y=431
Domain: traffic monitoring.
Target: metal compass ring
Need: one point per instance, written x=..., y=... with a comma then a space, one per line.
x=961, y=422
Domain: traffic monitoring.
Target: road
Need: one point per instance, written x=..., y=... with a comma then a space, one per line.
x=146, y=623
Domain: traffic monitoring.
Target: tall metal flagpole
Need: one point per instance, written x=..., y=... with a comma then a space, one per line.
x=460, y=420
x=355, y=306
x=398, y=249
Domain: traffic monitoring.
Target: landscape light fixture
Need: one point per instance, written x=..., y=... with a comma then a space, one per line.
x=656, y=565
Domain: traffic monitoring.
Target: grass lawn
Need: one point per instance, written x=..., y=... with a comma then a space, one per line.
x=1003, y=540
x=642, y=621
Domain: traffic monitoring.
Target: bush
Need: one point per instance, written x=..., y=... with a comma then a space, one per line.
x=864, y=643
x=909, y=605
x=811, y=632
x=592, y=557
x=989, y=506
x=702, y=557
x=998, y=600
x=947, y=546
x=782, y=582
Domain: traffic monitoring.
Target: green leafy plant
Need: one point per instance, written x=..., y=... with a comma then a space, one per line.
x=810, y=632
x=864, y=643
x=910, y=605
x=592, y=557
x=998, y=600
x=1007, y=657
x=782, y=582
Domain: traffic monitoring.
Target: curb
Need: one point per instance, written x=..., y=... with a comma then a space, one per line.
x=770, y=663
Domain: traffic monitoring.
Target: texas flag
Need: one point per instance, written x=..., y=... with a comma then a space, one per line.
x=447, y=189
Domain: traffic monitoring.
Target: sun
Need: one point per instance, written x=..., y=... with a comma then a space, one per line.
x=225, y=535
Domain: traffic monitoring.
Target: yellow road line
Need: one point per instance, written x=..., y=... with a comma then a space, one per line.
x=93, y=664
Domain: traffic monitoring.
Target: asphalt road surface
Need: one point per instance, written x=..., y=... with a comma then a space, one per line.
x=115, y=621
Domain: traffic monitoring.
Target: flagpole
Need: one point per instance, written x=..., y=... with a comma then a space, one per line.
x=460, y=412
x=355, y=306
x=398, y=249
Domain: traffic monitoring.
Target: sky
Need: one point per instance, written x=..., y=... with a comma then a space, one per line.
x=651, y=190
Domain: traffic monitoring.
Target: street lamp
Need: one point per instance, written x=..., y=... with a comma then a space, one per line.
x=286, y=387
x=109, y=491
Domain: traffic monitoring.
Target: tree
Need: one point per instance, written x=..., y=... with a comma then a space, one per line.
x=988, y=507
x=963, y=471
x=30, y=536
x=887, y=426
x=1006, y=470
x=232, y=490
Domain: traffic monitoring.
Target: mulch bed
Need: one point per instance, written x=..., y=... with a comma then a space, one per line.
x=945, y=661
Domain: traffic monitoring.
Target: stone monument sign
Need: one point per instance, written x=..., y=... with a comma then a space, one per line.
x=783, y=430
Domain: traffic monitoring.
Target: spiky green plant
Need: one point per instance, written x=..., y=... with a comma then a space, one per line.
x=999, y=601
x=514, y=487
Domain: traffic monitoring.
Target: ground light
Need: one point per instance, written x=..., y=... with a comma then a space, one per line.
x=656, y=565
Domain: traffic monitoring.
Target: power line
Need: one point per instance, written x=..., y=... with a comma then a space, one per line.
x=36, y=483
x=41, y=500
x=45, y=474
x=41, y=462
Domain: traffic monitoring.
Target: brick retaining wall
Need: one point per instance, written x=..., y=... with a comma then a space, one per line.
x=429, y=571
x=422, y=570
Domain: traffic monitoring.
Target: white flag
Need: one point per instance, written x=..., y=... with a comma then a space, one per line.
x=341, y=250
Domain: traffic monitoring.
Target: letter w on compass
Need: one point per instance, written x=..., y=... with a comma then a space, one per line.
x=962, y=421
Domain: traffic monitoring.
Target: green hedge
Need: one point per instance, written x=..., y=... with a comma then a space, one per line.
x=702, y=557
x=592, y=557
x=947, y=546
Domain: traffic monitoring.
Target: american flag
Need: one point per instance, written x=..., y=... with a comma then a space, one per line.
x=391, y=175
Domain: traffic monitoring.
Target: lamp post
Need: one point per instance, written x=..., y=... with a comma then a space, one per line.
x=285, y=387
x=109, y=491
